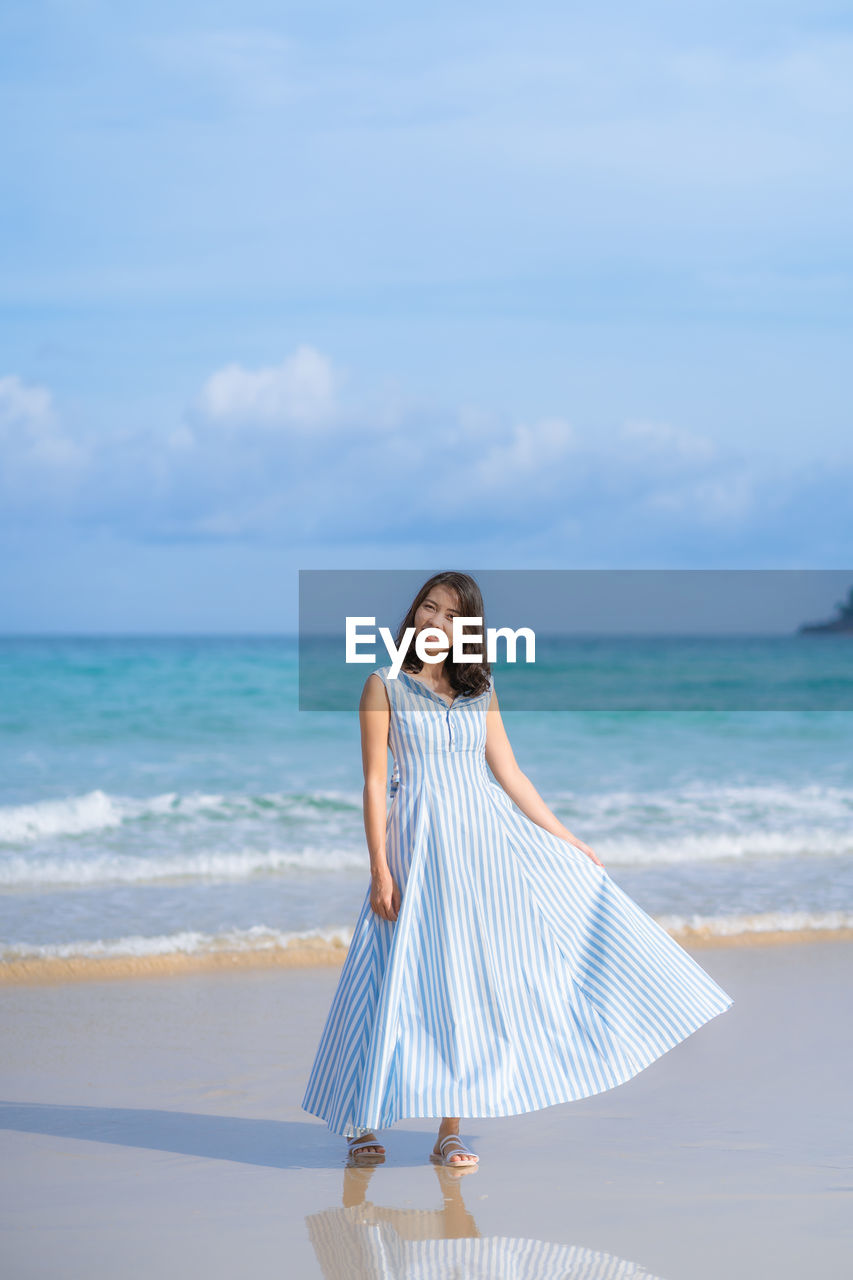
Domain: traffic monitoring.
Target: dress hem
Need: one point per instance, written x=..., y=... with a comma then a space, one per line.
x=502, y=1112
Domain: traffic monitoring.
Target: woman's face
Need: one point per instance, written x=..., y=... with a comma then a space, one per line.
x=436, y=612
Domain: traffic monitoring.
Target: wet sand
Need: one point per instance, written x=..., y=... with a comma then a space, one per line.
x=154, y=1126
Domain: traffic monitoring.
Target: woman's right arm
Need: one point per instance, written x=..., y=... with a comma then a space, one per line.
x=375, y=718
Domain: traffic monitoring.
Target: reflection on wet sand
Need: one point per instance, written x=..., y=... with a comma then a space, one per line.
x=365, y=1241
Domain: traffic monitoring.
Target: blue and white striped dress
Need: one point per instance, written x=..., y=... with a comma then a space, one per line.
x=517, y=975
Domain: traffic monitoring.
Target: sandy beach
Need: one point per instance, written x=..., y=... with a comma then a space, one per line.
x=152, y=1123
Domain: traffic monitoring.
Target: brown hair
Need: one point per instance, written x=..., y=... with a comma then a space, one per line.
x=465, y=677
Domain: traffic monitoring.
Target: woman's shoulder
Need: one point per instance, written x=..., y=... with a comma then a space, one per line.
x=376, y=693
x=383, y=673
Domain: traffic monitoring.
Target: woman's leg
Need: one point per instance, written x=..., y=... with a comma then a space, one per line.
x=448, y=1126
x=369, y=1149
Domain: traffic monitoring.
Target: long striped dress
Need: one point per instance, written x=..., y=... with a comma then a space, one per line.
x=517, y=975
x=371, y=1242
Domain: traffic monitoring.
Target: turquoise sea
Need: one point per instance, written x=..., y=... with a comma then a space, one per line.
x=166, y=795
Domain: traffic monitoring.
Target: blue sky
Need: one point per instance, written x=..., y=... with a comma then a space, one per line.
x=324, y=285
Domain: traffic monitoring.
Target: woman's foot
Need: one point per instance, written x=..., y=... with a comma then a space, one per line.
x=365, y=1147
x=451, y=1150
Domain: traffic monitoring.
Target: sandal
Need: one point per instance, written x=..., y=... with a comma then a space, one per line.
x=357, y=1144
x=452, y=1145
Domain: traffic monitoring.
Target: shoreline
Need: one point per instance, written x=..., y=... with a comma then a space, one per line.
x=160, y=1124
x=43, y=970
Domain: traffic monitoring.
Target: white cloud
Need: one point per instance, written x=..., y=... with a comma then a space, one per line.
x=20, y=405
x=533, y=449
x=662, y=440
x=647, y=486
x=30, y=430
x=300, y=392
x=723, y=501
x=680, y=478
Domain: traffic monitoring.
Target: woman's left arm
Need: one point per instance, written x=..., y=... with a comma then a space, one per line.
x=517, y=785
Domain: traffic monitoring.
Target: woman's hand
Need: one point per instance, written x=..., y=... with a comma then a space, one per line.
x=579, y=844
x=384, y=894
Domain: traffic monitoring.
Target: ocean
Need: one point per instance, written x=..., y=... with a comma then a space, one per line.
x=164, y=795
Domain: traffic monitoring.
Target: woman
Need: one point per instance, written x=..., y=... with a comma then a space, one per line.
x=495, y=967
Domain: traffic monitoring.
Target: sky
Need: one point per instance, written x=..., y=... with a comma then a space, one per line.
x=300, y=286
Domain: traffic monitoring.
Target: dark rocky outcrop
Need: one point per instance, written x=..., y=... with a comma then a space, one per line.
x=844, y=621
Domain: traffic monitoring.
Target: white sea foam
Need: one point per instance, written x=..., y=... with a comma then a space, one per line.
x=189, y=942
x=35, y=871
x=206, y=837
x=691, y=806
x=698, y=803
x=686, y=847
x=263, y=938
x=97, y=811
x=765, y=922
x=72, y=816
x=20, y=871
x=705, y=822
x=42, y=871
